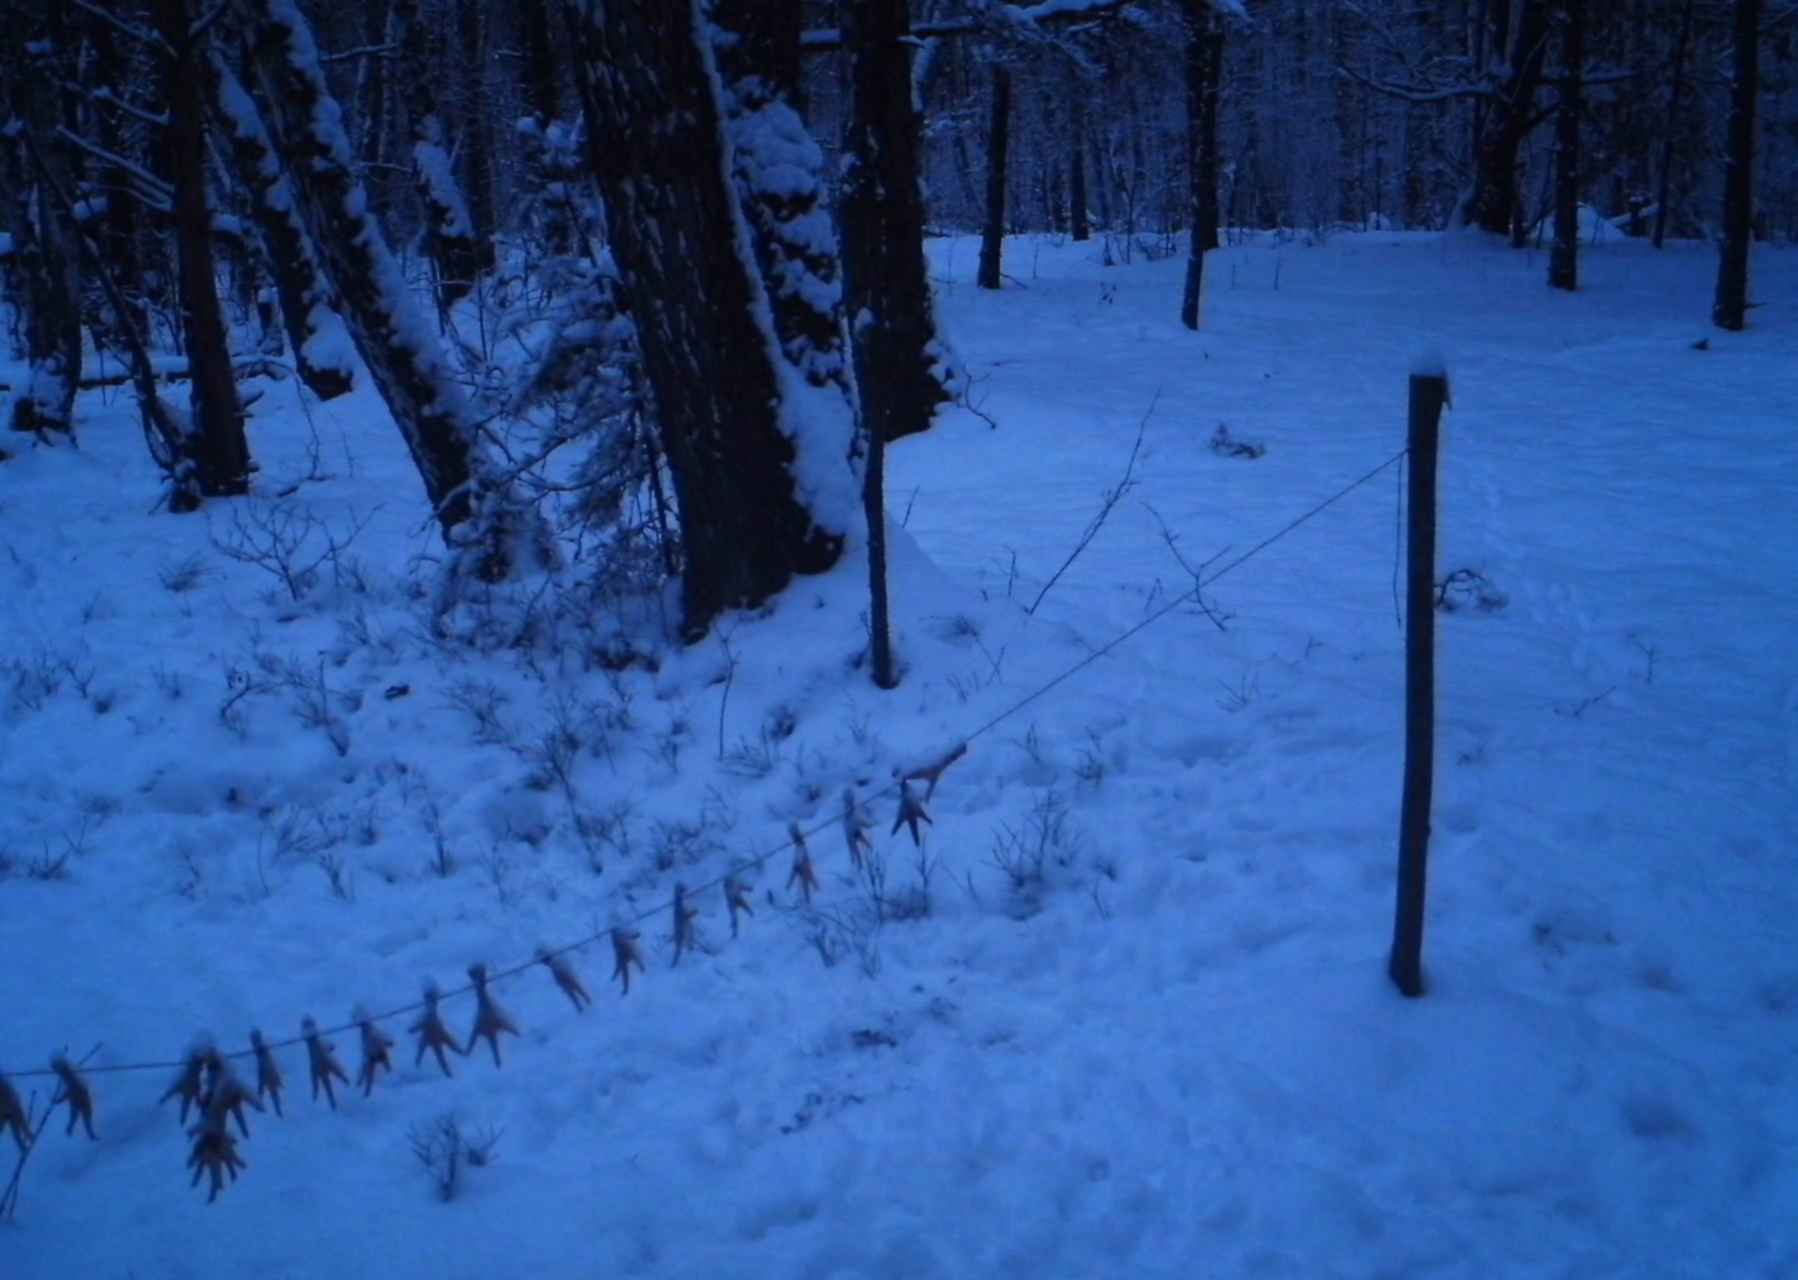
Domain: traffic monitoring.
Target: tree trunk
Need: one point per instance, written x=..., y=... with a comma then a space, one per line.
x=221, y=455
x=1204, y=67
x=451, y=237
x=45, y=253
x=775, y=167
x=320, y=346
x=1077, y=218
x=1563, y=261
x=474, y=508
x=899, y=360
x=656, y=137
x=1677, y=83
x=476, y=142
x=992, y=236
x=1730, y=310
x=1505, y=123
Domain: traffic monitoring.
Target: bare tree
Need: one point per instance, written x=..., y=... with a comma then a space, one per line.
x=1730, y=310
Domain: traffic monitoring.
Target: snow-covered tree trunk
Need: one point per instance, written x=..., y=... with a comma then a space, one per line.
x=900, y=363
x=219, y=452
x=1563, y=260
x=476, y=510
x=1730, y=309
x=45, y=253
x=321, y=348
x=459, y=254
x=759, y=459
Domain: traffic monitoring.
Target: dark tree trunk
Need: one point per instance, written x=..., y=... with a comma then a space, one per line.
x=1676, y=85
x=45, y=252
x=1563, y=261
x=656, y=133
x=1204, y=68
x=476, y=143
x=473, y=506
x=1077, y=218
x=1730, y=310
x=992, y=236
x=542, y=89
x=899, y=362
x=314, y=330
x=451, y=235
x=221, y=456
x=1505, y=122
x=1206, y=153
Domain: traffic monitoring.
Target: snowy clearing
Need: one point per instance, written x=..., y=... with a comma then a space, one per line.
x=1126, y=1013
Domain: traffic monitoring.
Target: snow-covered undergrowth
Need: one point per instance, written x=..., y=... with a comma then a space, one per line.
x=1125, y=1013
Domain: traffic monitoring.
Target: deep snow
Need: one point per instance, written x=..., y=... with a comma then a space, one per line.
x=1178, y=1053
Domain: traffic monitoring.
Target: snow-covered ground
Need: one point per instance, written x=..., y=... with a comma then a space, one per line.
x=1173, y=1052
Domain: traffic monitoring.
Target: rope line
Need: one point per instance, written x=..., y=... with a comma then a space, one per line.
x=758, y=860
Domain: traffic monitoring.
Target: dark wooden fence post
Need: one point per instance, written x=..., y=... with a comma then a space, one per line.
x=1429, y=393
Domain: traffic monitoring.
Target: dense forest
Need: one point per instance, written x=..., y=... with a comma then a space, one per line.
x=654, y=270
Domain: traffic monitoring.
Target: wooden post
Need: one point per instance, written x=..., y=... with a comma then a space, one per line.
x=1429, y=393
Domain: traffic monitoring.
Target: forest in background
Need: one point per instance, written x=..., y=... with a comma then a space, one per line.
x=569, y=242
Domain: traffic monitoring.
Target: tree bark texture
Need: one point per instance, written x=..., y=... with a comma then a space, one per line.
x=899, y=362
x=314, y=330
x=1730, y=310
x=992, y=237
x=656, y=135
x=391, y=335
x=1563, y=260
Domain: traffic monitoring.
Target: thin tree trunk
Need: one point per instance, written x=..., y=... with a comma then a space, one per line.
x=1204, y=66
x=1675, y=88
x=992, y=236
x=1730, y=310
x=315, y=332
x=221, y=454
x=1077, y=217
x=656, y=138
x=899, y=359
x=1563, y=260
x=474, y=507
